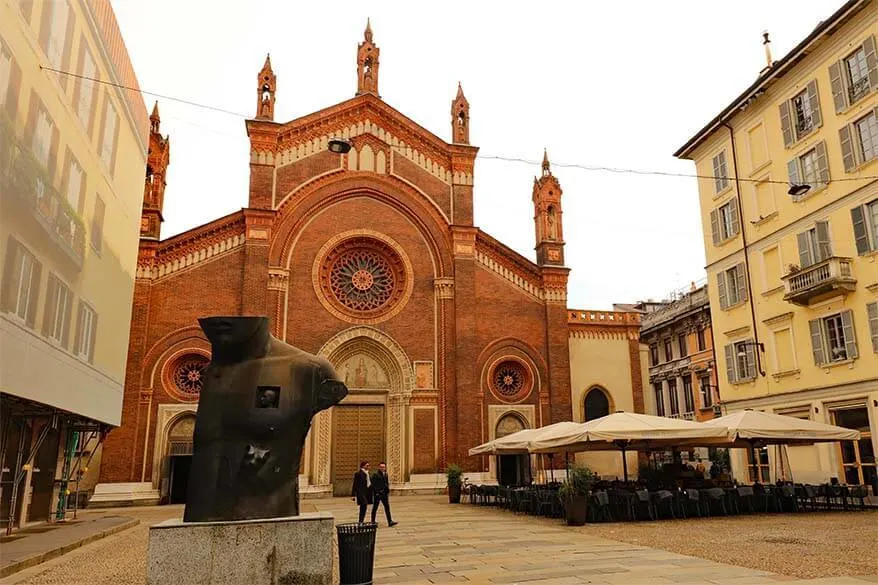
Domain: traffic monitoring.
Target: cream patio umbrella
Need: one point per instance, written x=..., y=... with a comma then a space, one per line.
x=518, y=443
x=749, y=427
x=626, y=431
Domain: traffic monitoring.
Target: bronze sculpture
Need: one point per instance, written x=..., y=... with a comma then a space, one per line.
x=255, y=409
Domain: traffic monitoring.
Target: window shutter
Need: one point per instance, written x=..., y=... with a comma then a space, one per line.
x=93, y=338
x=741, y=282
x=80, y=59
x=65, y=327
x=736, y=218
x=786, y=124
x=714, y=226
x=805, y=259
x=861, y=234
x=871, y=61
x=817, y=341
x=824, y=246
x=10, y=278
x=77, y=342
x=51, y=304
x=822, y=162
x=34, y=293
x=793, y=171
x=750, y=352
x=68, y=47
x=850, y=338
x=53, y=153
x=839, y=97
x=730, y=363
x=115, y=146
x=847, y=149
x=872, y=310
x=721, y=287
x=814, y=99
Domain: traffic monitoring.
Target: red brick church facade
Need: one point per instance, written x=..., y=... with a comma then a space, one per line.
x=369, y=258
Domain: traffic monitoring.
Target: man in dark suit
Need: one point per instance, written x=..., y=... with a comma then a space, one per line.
x=361, y=492
x=381, y=492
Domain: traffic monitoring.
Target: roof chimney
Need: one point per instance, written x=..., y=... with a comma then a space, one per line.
x=766, y=42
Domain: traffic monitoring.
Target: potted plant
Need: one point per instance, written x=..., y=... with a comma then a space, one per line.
x=575, y=492
x=454, y=473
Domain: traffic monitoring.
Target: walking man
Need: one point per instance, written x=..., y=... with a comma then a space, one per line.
x=381, y=491
x=361, y=492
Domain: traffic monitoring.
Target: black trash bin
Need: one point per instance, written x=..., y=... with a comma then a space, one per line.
x=356, y=552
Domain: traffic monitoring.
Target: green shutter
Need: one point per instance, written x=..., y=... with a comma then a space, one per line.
x=741, y=283
x=804, y=243
x=93, y=338
x=847, y=149
x=872, y=311
x=836, y=81
x=9, y=286
x=850, y=336
x=814, y=100
x=793, y=171
x=714, y=226
x=750, y=352
x=721, y=287
x=735, y=214
x=822, y=162
x=730, y=363
x=861, y=233
x=65, y=327
x=33, y=293
x=824, y=245
x=816, y=328
x=871, y=61
x=786, y=124
x=51, y=305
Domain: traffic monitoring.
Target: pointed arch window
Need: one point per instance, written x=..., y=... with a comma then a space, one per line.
x=596, y=404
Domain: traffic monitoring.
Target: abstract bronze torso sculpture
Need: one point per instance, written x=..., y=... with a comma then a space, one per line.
x=254, y=413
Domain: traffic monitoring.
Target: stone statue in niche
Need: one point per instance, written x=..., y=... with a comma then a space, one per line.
x=254, y=413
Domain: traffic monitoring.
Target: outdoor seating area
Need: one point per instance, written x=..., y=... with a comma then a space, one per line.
x=665, y=495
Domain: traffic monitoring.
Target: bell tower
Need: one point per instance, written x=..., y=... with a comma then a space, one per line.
x=157, y=160
x=367, y=64
x=547, y=217
x=460, y=118
x=265, y=90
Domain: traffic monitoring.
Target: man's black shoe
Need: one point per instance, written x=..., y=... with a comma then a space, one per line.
x=392, y=524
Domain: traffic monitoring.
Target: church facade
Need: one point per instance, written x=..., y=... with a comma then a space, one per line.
x=445, y=337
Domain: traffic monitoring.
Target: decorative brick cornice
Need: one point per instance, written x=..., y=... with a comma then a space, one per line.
x=444, y=286
x=278, y=278
x=603, y=324
x=515, y=268
x=555, y=284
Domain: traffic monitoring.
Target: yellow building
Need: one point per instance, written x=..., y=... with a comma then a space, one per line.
x=72, y=160
x=789, y=206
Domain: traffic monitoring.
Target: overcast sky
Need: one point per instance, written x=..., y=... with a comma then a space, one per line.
x=615, y=84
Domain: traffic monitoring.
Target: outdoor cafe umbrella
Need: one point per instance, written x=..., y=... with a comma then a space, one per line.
x=748, y=427
x=625, y=431
x=517, y=443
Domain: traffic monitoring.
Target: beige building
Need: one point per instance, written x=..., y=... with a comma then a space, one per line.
x=790, y=216
x=72, y=160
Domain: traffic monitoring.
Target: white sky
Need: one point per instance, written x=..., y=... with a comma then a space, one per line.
x=617, y=84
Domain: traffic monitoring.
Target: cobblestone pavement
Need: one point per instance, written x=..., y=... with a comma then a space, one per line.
x=438, y=543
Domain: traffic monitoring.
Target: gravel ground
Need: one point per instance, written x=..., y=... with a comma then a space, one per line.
x=802, y=545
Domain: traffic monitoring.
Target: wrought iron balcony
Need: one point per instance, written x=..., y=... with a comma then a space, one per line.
x=804, y=125
x=24, y=180
x=831, y=276
x=858, y=89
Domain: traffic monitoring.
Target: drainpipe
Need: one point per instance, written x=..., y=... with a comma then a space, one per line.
x=752, y=301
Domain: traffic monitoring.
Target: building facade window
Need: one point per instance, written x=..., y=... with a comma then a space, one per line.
x=857, y=74
x=758, y=465
x=673, y=398
x=801, y=115
x=85, y=96
x=596, y=404
x=814, y=244
x=872, y=313
x=97, y=224
x=857, y=457
x=56, y=317
x=86, y=332
x=702, y=341
x=720, y=171
x=75, y=182
x=810, y=168
x=833, y=338
x=740, y=361
x=669, y=349
x=21, y=282
x=732, y=286
x=653, y=354
x=852, y=78
x=109, y=136
x=57, y=15
x=859, y=142
x=725, y=222
x=5, y=74
x=688, y=396
x=867, y=136
x=705, y=391
x=682, y=345
x=659, y=399
x=865, y=220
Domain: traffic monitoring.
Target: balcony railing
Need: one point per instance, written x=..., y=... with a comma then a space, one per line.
x=24, y=179
x=832, y=275
x=804, y=125
x=858, y=89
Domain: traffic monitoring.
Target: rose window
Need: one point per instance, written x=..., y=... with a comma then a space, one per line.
x=363, y=277
x=189, y=375
x=510, y=378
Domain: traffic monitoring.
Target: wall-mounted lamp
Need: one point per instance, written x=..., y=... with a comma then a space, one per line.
x=339, y=145
x=798, y=190
x=816, y=409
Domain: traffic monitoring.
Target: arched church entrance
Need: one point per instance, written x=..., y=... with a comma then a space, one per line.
x=512, y=469
x=370, y=423
x=180, y=457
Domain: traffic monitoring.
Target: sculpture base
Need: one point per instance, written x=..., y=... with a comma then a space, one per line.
x=294, y=551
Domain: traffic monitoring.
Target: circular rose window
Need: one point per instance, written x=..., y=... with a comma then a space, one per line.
x=362, y=279
x=188, y=375
x=511, y=380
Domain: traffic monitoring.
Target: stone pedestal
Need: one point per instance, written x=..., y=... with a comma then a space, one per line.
x=291, y=551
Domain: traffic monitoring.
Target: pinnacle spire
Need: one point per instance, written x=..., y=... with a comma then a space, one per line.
x=155, y=112
x=460, y=91
x=367, y=34
x=546, y=169
x=267, y=65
